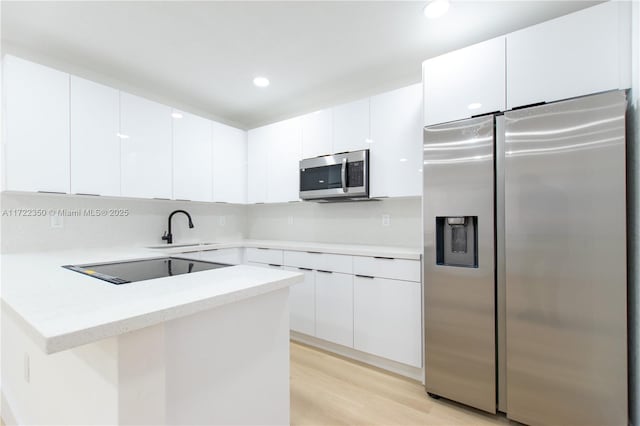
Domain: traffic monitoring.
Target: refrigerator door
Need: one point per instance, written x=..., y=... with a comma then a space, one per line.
x=566, y=262
x=459, y=262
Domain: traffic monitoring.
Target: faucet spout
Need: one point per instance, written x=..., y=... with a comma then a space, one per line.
x=168, y=236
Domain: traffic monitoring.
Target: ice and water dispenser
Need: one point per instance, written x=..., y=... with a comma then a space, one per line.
x=457, y=241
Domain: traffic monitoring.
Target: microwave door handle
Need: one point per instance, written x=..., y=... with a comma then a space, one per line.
x=343, y=175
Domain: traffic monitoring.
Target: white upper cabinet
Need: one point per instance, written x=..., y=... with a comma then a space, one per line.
x=258, y=148
x=464, y=83
x=351, y=126
x=317, y=133
x=95, y=145
x=229, y=164
x=578, y=54
x=36, y=120
x=396, y=147
x=145, y=130
x=283, y=156
x=192, y=157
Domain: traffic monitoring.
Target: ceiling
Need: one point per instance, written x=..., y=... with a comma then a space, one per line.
x=202, y=56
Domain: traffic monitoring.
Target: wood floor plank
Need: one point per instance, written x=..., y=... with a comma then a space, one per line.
x=327, y=389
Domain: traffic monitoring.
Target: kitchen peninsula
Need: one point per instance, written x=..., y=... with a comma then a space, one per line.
x=210, y=347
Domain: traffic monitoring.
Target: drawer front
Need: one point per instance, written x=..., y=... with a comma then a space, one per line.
x=261, y=255
x=321, y=261
x=265, y=265
x=231, y=256
x=397, y=269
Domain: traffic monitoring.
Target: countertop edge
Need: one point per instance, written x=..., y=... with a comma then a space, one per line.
x=59, y=343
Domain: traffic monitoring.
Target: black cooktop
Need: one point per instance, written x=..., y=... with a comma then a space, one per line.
x=141, y=270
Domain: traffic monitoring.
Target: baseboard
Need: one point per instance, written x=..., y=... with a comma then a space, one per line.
x=383, y=363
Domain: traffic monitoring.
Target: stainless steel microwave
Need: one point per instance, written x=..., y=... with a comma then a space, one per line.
x=337, y=177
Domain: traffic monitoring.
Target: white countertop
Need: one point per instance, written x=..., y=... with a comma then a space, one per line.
x=347, y=249
x=62, y=309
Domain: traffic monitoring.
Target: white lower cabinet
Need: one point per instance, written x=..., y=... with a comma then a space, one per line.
x=334, y=307
x=302, y=306
x=387, y=319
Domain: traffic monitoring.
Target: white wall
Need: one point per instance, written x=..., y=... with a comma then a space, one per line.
x=145, y=224
x=354, y=223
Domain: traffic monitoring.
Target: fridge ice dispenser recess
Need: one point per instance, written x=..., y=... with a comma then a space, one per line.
x=457, y=241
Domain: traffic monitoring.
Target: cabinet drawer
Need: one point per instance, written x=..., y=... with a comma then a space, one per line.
x=265, y=265
x=321, y=261
x=384, y=267
x=231, y=256
x=261, y=255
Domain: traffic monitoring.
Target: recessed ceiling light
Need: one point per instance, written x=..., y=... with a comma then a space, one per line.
x=176, y=115
x=436, y=8
x=368, y=140
x=474, y=105
x=402, y=160
x=261, y=81
x=122, y=136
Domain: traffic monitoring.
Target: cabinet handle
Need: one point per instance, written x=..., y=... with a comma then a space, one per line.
x=384, y=258
x=262, y=248
x=273, y=264
x=86, y=193
x=325, y=272
x=314, y=252
x=365, y=276
x=343, y=175
x=208, y=250
x=304, y=269
x=51, y=192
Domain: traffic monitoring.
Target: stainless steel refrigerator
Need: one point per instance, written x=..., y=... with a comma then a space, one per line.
x=525, y=262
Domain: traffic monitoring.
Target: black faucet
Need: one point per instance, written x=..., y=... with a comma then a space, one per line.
x=168, y=236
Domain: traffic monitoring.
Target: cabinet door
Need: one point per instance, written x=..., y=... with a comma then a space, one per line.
x=36, y=120
x=229, y=164
x=396, y=147
x=284, y=155
x=464, y=83
x=317, y=133
x=302, y=306
x=334, y=307
x=258, y=148
x=578, y=54
x=387, y=319
x=95, y=145
x=192, y=158
x=145, y=130
x=351, y=126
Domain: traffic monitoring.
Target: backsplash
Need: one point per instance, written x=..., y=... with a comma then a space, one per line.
x=143, y=224
x=27, y=224
x=350, y=223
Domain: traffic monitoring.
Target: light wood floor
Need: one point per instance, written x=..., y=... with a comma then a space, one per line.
x=330, y=390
